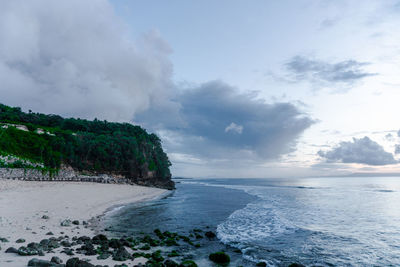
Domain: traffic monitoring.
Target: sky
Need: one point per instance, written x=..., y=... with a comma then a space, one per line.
x=233, y=88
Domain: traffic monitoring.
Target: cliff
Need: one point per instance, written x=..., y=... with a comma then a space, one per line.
x=51, y=145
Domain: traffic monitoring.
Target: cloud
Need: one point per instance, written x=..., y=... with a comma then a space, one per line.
x=389, y=137
x=75, y=58
x=233, y=127
x=397, y=149
x=214, y=120
x=363, y=151
x=324, y=73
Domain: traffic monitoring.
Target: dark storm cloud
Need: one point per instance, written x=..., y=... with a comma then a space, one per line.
x=215, y=119
x=75, y=58
x=316, y=71
x=363, y=150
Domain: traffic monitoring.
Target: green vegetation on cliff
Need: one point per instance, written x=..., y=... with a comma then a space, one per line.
x=96, y=146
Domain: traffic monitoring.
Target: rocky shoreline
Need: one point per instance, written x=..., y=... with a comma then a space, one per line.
x=61, y=225
x=156, y=249
x=69, y=175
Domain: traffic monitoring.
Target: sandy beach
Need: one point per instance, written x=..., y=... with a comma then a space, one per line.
x=30, y=210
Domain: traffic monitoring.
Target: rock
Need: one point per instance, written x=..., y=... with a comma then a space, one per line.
x=56, y=259
x=103, y=256
x=170, y=263
x=34, y=245
x=68, y=251
x=66, y=243
x=76, y=222
x=99, y=239
x=121, y=254
x=156, y=256
x=42, y=263
x=4, y=240
x=188, y=263
x=145, y=247
x=53, y=244
x=219, y=257
x=76, y=262
x=173, y=253
x=20, y=240
x=296, y=265
x=210, y=234
x=199, y=236
x=49, y=233
x=88, y=249
x=170, y=241
x=24, y=251
x=85, y=239
x=261, y=264
x=115, y=243
x=11, y=250
x=66, y=223
x=45, y=217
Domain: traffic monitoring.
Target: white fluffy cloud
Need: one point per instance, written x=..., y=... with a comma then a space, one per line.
x=75, y=58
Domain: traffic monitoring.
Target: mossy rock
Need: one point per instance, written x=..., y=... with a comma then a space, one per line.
x=145, y=247
x=170, y=241
x=219, y=257
x=156, y=256
x=173, y=253
x=188, y=263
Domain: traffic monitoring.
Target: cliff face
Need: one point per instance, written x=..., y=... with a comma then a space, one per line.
x=46, y=143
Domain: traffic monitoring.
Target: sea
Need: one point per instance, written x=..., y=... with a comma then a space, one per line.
x=334, y=221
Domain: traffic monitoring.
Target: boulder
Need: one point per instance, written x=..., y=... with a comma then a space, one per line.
x=103, y=256
x=56, y=259
x=188, y=263
x=170, y=263
x=121, y=254
x=24, y=251
x=210, y=234
x=219, y=257
x=99, y=239
x=43, y=263
x=66, y=223
x=76, y=262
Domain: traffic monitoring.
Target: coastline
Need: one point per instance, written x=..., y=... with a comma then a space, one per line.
x=32, y=210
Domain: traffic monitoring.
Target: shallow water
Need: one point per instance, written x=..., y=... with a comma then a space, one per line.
x=315, y=221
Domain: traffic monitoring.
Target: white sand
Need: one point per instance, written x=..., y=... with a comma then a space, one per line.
x=23, y=203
